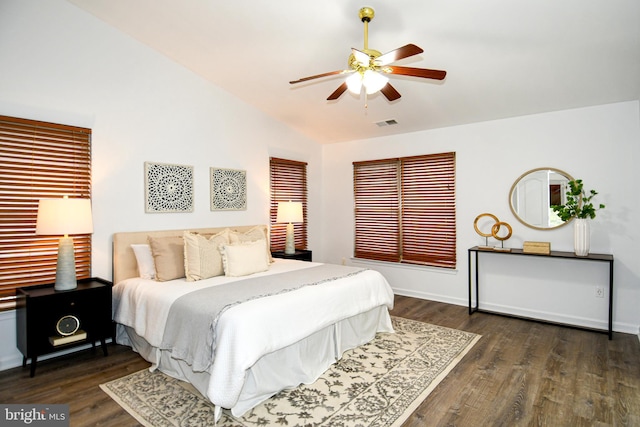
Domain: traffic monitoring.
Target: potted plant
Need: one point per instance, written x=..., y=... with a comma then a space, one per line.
x=580, y=207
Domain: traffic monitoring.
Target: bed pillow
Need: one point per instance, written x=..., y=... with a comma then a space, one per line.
x=241, y=259
x=202, y=258
x=168, y=257
x=144, y=258
x=259, y=232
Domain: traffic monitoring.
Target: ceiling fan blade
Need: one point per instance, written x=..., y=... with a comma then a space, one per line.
x=317, y=76
x=416, y=72
x=362, y=58
x=398, y=54
x=390, y=92
x=336, y=94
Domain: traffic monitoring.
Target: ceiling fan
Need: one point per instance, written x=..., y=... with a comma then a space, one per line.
x=367, y=67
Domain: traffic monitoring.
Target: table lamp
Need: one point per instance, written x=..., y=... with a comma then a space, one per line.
x=64, y=216
x=289, y=212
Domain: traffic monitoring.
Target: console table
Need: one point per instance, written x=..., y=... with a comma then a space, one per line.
x=607, y=258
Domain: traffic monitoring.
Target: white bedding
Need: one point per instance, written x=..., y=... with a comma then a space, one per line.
x=248, y=331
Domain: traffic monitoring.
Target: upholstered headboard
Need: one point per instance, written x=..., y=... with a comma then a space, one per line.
x=124, y=260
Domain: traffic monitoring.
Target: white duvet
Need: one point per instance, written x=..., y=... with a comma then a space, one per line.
x=247, y=331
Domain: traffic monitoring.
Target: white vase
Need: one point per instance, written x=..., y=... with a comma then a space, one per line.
x=581, y=236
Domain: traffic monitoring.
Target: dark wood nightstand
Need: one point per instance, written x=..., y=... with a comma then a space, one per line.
x=299, y=254
x=48, y=320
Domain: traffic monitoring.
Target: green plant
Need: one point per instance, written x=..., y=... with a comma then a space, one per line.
x=578, y=204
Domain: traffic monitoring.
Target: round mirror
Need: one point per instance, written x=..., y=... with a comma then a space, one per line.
x=533, y=194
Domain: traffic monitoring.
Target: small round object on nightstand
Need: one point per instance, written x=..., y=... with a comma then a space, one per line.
x=68, y=325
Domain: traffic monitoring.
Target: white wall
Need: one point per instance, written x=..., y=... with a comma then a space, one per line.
x=61, y=64
x=599, y=144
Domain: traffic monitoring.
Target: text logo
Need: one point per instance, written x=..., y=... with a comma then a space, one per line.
x=34, y=415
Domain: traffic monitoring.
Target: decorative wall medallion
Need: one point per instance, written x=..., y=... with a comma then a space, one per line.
x=168, y=188
x=228, y=189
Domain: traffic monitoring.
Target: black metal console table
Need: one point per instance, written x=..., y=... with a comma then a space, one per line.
x=554, y=254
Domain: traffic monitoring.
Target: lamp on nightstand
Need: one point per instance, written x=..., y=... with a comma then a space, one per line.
x=289, y=212
x=65, y=216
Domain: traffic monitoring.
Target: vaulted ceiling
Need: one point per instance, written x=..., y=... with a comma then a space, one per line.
x=503, y=58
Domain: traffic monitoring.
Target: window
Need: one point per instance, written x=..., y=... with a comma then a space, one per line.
x=405, y=210
x=288, y=183
x=39, y=160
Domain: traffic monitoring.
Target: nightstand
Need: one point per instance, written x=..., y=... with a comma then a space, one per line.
x=299, y=254
x=48, y=320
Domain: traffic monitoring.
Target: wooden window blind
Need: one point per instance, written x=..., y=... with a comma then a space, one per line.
x=39, y=160
x=377, y=207
x=288, y=180
x=405, y=210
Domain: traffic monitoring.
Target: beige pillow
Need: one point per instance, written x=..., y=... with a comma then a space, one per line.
x=202, y=258
x=241, y=259
x=168, y=257
x=258, y=232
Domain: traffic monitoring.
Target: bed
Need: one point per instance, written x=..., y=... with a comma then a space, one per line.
x=230, y=335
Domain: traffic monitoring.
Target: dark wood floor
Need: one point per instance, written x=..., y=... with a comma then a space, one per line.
x=520, y=373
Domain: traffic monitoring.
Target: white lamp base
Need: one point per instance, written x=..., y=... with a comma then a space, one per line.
x=290, y=246
x=66, y=266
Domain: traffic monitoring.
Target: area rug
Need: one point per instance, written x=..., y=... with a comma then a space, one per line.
x=378, y=384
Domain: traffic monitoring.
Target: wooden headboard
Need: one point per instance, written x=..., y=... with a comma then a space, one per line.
x=124, y=260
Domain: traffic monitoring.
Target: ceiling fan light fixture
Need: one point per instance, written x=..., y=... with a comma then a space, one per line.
x=354, y=83
x=370, y=68
x=373, y=81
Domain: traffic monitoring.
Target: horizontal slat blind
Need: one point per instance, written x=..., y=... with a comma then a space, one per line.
x=377, y=210
x=39, y=160
x=405, y=210
x=288, y=183
x=429, y=210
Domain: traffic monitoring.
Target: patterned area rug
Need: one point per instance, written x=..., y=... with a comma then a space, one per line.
x=378, y=384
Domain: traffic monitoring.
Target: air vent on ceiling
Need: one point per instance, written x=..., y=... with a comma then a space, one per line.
x=389, y=122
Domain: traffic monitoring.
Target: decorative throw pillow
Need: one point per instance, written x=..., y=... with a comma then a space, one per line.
x=146, y=267
x=256, y=233
x=202, y=258
x=241, y=259
x=168, y=257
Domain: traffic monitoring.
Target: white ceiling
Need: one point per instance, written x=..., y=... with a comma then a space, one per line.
x=503, y=58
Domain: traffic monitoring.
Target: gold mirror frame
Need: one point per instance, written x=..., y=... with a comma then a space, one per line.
x=512, y=196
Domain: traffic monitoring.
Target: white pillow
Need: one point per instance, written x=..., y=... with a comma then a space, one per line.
x=202, y=258
x=256, y=233
x=241, y=259
x=146, y=266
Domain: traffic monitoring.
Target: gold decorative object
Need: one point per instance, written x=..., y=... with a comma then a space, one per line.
x=542, y=248
x=475, y=224
x=495, y=230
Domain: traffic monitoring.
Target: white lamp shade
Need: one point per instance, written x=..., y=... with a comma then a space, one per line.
x=64, y=216
x=289, y=212
x=374, y=81
x=354, y=83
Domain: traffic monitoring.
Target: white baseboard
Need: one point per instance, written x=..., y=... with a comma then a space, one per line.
x=15, y=360
x=626, y=328
x=430, y=297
